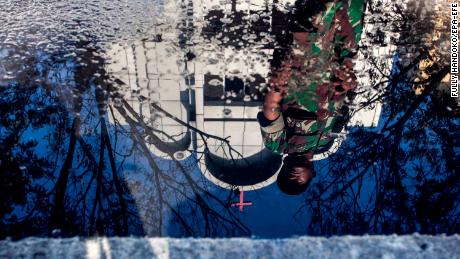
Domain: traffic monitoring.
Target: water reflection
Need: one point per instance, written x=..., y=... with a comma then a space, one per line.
x=158, y=135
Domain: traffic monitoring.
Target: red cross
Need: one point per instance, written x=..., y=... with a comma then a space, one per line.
x=241, y=203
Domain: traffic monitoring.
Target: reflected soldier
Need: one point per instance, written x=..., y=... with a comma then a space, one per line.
x=309, y=81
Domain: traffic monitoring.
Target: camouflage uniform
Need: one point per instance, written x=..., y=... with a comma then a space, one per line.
x=315, y=78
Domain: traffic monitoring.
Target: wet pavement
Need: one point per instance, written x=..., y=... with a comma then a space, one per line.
x=140, y=118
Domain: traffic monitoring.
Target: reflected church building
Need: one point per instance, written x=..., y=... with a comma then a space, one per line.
x=206, y=69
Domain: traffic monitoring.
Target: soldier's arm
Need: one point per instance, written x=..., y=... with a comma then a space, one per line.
x=272, y=123
x=273, y=132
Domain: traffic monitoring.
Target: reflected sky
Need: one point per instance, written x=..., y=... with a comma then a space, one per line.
x=140, y=118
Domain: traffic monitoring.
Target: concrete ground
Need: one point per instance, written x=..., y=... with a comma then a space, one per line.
x=410, y=246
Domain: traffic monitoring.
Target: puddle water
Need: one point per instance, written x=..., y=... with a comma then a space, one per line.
x=141, y=118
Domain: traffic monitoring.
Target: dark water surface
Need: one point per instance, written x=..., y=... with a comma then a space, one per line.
x=139, y=118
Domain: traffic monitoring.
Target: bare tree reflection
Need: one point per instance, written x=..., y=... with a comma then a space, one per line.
x=400, y=178
x=201, y=204
x=64, y=171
